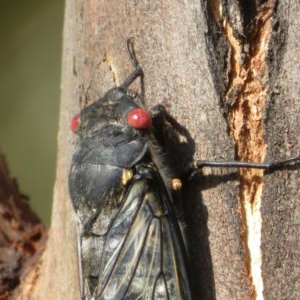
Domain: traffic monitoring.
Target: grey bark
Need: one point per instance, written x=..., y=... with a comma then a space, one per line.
x=187, y=61
x=281, y=209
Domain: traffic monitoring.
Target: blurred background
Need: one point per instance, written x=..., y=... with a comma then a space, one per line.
x=30, y=64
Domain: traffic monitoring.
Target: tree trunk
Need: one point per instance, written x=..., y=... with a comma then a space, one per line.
x=226, y=71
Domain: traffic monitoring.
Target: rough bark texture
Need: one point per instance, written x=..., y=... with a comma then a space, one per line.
x=280, y=206
x=222, y=69
x=22, y=237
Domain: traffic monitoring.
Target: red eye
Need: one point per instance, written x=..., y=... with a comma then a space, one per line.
x=74, y=123
x=139, y=118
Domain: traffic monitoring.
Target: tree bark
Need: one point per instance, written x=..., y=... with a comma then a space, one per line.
x=22, y=236
x=226, y=71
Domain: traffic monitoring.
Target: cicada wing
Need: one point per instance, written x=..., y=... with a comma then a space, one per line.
x=88, y=264
x=140, y=247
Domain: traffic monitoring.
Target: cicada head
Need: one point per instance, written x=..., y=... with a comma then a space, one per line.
x=112, y=130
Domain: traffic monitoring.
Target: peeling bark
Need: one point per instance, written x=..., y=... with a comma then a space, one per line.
x=22, y=238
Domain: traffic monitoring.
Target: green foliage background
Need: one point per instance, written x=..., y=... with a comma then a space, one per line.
x=30, y=63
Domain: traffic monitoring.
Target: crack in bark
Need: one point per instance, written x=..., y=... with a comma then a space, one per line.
x=247, y=91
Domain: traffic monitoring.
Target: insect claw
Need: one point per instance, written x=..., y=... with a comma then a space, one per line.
x=131, y=53
x=138, y=72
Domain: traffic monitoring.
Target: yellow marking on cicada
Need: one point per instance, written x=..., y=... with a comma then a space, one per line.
x=127, y=174
x=176, y=184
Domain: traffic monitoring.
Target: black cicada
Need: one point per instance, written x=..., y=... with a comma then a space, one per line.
x=130, y=245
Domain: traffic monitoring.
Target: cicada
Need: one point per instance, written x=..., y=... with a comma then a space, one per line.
x=130, y=242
